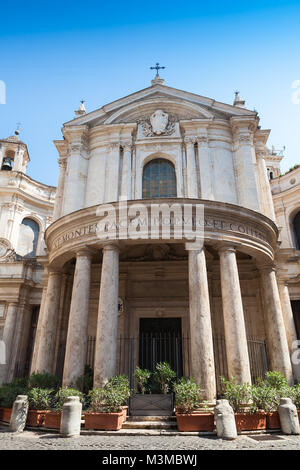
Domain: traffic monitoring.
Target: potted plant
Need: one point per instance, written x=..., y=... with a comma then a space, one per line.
x=188, y=397
x=277, y=387
x=296, y=398
x=106, y=406
x=153, y=404
x=43, y=380
x=40, y=401
x=122, y=382
x=8, y=394
x=53, y=417
x=239, y=396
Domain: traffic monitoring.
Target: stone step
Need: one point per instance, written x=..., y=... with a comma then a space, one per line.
x=149, y=425
x=151, y=418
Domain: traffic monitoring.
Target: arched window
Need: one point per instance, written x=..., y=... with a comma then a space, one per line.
x=159, y=179
x=28, y=238
x=296, y=227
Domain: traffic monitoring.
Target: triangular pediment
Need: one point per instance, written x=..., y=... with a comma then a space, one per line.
x=182, y=104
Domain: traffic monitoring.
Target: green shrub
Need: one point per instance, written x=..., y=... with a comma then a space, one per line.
x=275, y=379
x=40, y=398
x=164, y=376
x=264, y=398
x=43, y=380
x=63, y=393
x=187, y=395
x=84, y=383
x=238, y=395
x=10, y=391
x=296, y=396
x=110, y=398
x=142, y=377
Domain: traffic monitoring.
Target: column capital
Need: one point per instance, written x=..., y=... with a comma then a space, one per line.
x=84, y=252
x=189, y=140
x=227, y=246
x=111, y=247
x=266, y=268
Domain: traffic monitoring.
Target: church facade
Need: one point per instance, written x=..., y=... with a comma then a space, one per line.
x=165, y=239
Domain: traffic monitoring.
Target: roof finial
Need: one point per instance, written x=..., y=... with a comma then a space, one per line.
x=157, y=80
x=81, y=110
x=238, y=101
x=18, y=129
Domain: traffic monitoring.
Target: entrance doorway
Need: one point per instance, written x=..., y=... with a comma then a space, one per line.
x=160, y=340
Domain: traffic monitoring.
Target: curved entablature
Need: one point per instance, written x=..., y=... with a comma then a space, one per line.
x=161, y=220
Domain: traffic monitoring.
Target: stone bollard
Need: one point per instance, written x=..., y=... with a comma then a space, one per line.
x=71, y=417
x=19, y=414
x=288, y=416
x=225, y=421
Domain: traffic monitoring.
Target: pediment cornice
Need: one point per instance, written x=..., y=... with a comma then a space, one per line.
x=205, y=107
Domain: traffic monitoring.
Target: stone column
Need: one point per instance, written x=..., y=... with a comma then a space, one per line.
x=126, y=173
x=38, y=331
x=234, y=323
x=7, y=338
x=267, y=201
x=191, y=174
x=288, y=319
x=202, y=351
x=47, y=340
x=76, y=347
x=112, y=172
x=60, y=188
x=276, y=336
x=205, y=168
x=77, y=167
x=107, y=325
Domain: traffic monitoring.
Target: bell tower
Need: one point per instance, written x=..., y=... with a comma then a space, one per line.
x=13, y=154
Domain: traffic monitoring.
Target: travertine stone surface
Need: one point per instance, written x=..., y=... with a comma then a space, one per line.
x=71, y=417
x=234, y=323
x=76, y=346
x=7, y=338
x=202, y=354
x=289, y=323
x=288, y=416
x=276, y=336
x=46, y=349
x=19, y=414
x=107, y=324
x=225, y=420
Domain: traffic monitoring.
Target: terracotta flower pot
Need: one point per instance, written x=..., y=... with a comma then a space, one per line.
x=1, y=413
x=36, y=417
x=196, y=421
x=52, y=420
x=6, y=414
x=104, y=421
x=298, y=411
x=250, y=422
x=273, y=421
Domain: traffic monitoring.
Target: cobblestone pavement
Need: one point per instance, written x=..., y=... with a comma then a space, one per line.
x=34, y=440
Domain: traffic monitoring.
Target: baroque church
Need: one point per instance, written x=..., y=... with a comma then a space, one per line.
x=76, y=291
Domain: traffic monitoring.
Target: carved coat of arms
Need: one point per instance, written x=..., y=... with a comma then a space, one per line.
x=159, y=123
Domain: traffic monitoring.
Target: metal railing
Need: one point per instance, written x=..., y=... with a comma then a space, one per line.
x=148, y=349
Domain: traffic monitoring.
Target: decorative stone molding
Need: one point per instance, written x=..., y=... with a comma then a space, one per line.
x=159, y=123
x=7, y=253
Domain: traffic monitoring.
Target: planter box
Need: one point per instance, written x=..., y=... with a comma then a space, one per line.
x=195, y=422
x=273, y=421
x=154, y=404
x=6, y=414
x=125, y=410
x=52, y=419
x=250, y=422
x=298, y=411
x=104, y=421
x=36, y=417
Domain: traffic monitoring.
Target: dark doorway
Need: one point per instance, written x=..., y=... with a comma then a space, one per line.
x=160, y=340
x=296, y=313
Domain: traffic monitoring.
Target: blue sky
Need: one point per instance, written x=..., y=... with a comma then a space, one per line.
x=52, y=54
